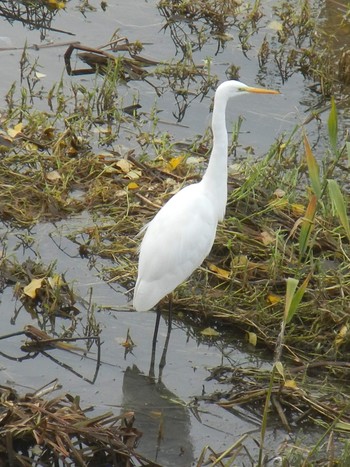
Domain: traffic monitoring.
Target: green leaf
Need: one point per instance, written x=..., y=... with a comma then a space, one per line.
x=348, y=151
x=279, y=367
x=298, y=297
x=307, y=225
x=252, y=338
x=333, y=125
x=343, y=426
x=294, y=296
x=314, y=170
x=339, y=204
x=291, y=288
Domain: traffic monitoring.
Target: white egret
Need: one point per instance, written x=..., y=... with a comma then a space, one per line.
x=182, y=233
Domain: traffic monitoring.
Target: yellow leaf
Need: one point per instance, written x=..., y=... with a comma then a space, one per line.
x=56, y=4
x=273, y=298
x=175, y=161
x=298, y=209
x=223, y=273
x=132, y=186
x=210, y=332
x=13, y=132
x=267, y=238
x=252, y=338
x=128, y=344
x=290, y=383
x=339, y=338
x=32, y=287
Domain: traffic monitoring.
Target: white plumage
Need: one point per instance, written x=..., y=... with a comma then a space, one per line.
x=182, y=233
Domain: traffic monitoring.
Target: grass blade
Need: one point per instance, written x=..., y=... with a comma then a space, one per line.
x=290, y=292
x=333, y=125
x=307, y=225
x=294, y=296
x=297, y=297
x=339, y=205
x=313, y=167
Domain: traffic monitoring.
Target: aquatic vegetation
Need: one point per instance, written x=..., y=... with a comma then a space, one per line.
x=38, y=429
x=281, y=257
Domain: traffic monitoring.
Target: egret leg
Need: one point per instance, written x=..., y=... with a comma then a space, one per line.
x=154, y=344
x=162, y=361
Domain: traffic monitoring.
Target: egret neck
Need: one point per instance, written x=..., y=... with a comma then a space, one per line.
x=215, y=177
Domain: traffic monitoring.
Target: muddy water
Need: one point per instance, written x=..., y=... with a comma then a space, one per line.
x=123, y=380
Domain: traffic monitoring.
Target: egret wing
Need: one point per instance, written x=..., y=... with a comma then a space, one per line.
x=176, y=242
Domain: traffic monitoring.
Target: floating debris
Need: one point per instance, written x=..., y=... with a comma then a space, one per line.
x=35, y=430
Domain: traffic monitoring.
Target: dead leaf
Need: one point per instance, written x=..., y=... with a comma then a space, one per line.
x=124, y=165
x=194, y=160
x=267, y=238
x=133, y=186
x=340, y=337
x=279, y=193
x=223, y=273
x=134, y=174
x=53, y=176
x=49, y=132
x=275, y=25
x=32, y=287
x=13, y=132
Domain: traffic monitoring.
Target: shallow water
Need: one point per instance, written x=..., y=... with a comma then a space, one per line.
x=122, y=382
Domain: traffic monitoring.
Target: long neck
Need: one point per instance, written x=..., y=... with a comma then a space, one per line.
x=215, y=177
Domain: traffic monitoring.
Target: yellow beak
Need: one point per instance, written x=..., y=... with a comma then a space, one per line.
x=260, y=90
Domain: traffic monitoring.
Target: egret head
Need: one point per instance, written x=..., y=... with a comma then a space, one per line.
x=232, y=88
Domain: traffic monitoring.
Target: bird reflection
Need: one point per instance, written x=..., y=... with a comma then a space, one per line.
x=160, y=415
